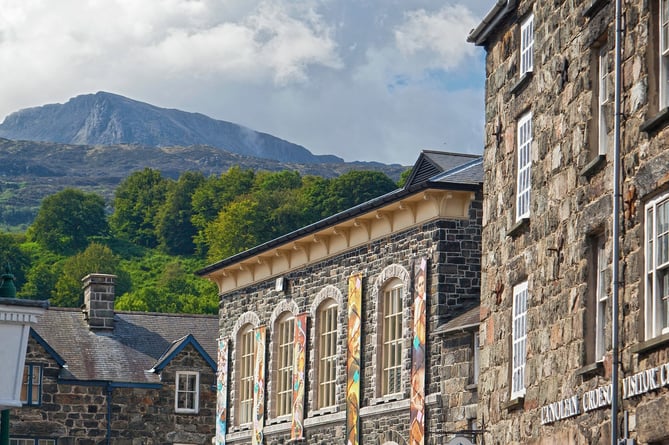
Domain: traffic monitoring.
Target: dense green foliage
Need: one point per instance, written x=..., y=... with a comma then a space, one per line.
x=162, y=230
x=66, y=220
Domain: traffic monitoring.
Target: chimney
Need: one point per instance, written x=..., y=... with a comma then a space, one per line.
x=99, y=294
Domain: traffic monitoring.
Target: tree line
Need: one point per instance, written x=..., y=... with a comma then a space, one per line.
x=158, y=231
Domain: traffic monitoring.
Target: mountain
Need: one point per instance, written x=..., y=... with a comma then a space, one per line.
x=109, y=119
x=30, y=171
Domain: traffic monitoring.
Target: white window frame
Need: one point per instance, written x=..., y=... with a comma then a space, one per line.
x=244, y=370
x=31, y=387
x=524, y=170
x=326, y=353
x=602, y=297
x=31, y=441
x=664, y=53
x=603, y=79
x=527, y=45
x=392, y=338
x=519, y=340
x=283, y=376
x=657, y=268
x=195, y=392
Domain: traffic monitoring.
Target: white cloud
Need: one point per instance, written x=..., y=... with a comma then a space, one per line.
x=442, y=33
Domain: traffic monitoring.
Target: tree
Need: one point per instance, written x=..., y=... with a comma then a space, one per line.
x=213, y=195
x=66, y=221
x=12, y=254
x=175, y=229
x=356, y=187
x=137, y=201
x=235, y=230
x=95, y=259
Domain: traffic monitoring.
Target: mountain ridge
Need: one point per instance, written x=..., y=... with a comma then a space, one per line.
x=33, y=170
x=106, y=118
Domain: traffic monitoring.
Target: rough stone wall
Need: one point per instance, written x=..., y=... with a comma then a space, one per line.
x=77, y=414
x=452, y=248
x=570, y=202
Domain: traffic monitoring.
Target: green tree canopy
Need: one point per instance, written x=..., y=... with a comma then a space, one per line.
x=12, y=254
x=137, y=201
x=175, y=229
x=95, y=259
x=67, y=219
x=235, y=230
x=355, y=187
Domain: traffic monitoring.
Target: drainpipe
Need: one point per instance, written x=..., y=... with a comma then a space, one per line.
x=4, y=428
x=616, y=230
x=109, y=411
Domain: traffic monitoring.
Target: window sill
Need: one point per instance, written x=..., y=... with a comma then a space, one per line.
x=591, y=369
x=472, y=387
x=595, y=6
x=514, y=404
x=324, y=411
x=650, y=345
x=593, y=166
x=387, y=398
x=280, y=419
x=522, y=82
x=656, y=122
x=186, y=412
x=520, y=226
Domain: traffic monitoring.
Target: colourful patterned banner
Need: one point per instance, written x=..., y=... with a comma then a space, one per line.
x=353, y=360
x=259, y=386
x=222, y=391
x=299, y=360
x=417, y=419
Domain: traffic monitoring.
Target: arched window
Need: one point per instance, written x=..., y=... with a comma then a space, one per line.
x=244, y=364
x=284, y=334
x=391, y=337
x=326, y=354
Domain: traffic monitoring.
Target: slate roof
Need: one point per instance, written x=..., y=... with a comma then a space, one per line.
x=128, y=353
x=466, y=321
x=431, y=164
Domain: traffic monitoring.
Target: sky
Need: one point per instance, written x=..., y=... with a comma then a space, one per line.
x=366, y=80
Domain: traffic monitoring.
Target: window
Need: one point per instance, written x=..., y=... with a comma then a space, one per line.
x=391, y=341
x=326, y=325
x=519, y=336
x=603, y=98
x=283, y=378
x=31, y=389
x=524, y=162
x=664, y=53
x=657, y=267
x=527, y=45
x=601, y=299
x=474, y=375
x=31, y=441
x=245, y=375
x=186, y=399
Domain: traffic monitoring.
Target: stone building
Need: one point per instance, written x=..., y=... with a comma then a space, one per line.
x=546, y=310
x=359, y=328
x=98, y=376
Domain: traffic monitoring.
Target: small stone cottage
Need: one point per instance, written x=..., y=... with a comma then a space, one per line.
x=100, y=376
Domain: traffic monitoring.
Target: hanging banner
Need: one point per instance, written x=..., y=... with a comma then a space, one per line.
x=222, y=391
x=417, y=405
x=299, y=361
x=259, y=386
x=353, y=360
